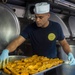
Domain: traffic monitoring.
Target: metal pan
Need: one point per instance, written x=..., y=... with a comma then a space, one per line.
x=13, y=58
x=2, y=73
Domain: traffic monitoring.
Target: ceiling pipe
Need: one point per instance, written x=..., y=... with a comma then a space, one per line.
x=61, y=8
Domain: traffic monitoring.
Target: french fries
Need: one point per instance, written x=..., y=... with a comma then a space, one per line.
x=30, y=65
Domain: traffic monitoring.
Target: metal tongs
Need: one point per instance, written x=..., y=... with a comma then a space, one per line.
x=3, y=63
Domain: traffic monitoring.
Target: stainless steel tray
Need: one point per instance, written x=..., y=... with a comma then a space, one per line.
x=13, y=58
x=47, y=69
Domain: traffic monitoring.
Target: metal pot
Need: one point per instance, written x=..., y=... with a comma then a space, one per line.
x=9, y=26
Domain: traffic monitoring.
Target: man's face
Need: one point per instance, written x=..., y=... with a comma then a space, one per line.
x=42, y=19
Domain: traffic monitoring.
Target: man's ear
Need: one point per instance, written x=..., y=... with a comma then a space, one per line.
x=48, y=15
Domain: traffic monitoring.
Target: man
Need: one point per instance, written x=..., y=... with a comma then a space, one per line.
x=43, y=35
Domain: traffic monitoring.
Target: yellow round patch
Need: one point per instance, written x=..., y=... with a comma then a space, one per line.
x=51, y=36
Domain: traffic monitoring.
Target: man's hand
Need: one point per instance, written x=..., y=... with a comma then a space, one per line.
x=71, y=59
x=4, y=55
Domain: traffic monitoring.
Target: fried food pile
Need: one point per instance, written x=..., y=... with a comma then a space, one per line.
x=31, y=65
